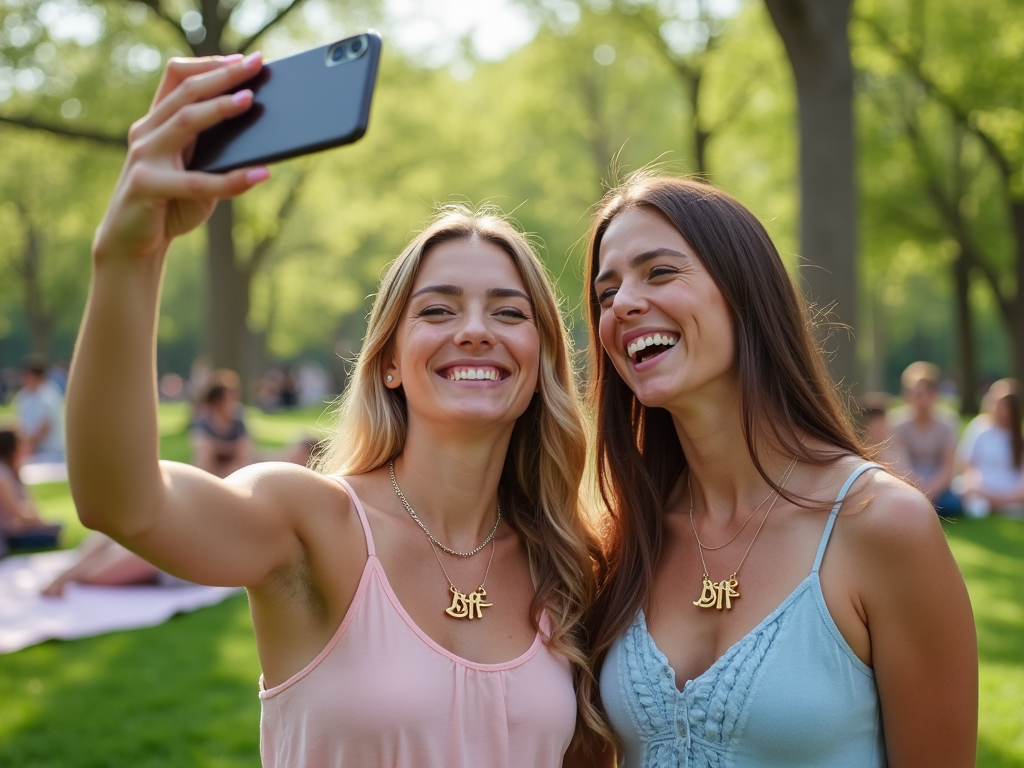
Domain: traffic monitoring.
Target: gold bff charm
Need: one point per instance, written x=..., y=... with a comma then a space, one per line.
x=464, y=606
x=712, y=594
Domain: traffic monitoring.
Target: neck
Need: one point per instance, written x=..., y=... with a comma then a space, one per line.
x=923, y=417
x=722, y=477
x=452, y=483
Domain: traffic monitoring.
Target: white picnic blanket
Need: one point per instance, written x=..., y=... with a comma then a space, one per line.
x=43, y=472
x=27, y=618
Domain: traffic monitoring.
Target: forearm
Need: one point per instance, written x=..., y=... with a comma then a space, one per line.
x=112, y=434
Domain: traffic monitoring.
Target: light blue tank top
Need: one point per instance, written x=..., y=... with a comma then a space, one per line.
x=790, y=693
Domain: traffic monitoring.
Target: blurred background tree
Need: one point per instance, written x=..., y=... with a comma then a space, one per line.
x=537, y=106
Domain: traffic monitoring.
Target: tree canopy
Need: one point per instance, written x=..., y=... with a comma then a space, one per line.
x=602, y=88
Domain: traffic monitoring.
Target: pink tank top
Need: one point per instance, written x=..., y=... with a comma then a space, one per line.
x=382, y=693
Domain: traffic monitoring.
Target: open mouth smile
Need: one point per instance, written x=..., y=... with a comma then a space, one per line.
x=645, y=347
x=469, y=373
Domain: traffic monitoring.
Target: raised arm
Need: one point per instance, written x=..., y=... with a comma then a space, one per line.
x=185, y=521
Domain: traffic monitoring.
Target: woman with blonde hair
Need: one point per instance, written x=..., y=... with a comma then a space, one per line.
x=418, y=600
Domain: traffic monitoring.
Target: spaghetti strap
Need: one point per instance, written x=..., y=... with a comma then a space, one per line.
x=359, y=510
x=835, y=510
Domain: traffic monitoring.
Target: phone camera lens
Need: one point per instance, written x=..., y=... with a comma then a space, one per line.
x=338, y=53
x=357, y=45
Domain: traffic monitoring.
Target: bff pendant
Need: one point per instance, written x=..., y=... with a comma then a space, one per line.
x=467, y=606
x=712, y=594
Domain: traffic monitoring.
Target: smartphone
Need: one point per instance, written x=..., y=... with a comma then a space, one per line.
x=301, y=104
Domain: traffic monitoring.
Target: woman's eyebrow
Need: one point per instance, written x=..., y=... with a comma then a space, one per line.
x=456, y=290
x=507, y=293
x=446, y=290
x=641, y=258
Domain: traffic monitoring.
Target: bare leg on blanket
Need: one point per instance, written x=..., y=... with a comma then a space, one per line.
x=105, y=562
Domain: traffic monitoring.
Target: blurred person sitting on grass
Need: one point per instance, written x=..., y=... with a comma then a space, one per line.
x=367, y=597
x=20, y=524
x=220, y=439
x=105, y=563
x=39, y=406
x=993, y=480
x=874, y=408
x=926, y=435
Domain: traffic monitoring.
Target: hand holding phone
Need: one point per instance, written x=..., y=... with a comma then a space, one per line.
x=301, y=104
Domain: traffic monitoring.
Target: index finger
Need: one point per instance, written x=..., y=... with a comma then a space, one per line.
x=179, y=68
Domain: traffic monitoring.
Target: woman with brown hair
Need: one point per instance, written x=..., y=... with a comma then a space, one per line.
x=417, y=602
x=994, y=455
x=20, y=524
x=773, y=597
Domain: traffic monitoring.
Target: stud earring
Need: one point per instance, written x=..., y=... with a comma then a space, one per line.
x=389, y=378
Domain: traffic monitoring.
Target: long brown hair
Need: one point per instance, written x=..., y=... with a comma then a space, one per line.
x=540, y=483
x=786, y=389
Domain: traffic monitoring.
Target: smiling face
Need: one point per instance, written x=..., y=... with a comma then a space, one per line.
x=466, y=350
x=664, y=323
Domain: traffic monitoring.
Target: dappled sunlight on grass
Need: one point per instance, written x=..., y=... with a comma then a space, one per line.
x=164, y=696
x=185, y=693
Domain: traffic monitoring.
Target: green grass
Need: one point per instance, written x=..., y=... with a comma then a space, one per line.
x=184, y=693
x=991, y=555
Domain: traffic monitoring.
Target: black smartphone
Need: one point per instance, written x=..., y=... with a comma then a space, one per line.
x=301, y=104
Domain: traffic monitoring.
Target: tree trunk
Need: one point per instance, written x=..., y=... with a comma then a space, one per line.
x=815, y=36
x=40, y=321
x=965, y=335
x=700, y=136
x=1016, y=329
x=879, y=345
x=227, y=302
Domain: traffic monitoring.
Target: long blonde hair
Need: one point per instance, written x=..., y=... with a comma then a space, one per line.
x=540, y=482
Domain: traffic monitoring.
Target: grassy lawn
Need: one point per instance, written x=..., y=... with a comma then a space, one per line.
x=184, y=693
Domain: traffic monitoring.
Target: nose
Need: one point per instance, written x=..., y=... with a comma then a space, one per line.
x=474, y=329
x=628, y=301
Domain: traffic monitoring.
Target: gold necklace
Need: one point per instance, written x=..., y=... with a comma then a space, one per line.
x=463, y=606
x=739, y=530
x=712, y=594
x=435, y=542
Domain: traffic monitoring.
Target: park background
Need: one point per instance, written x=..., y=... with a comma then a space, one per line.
x=881, y=142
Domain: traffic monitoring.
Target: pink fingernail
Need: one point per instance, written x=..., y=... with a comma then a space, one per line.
x=252, y=59
x=243, y=95
x=257, y=175
x=232, y=58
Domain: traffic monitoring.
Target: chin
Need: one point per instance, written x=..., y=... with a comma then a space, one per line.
x=469, y=415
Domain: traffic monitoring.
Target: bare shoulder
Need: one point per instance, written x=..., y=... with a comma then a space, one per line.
x=316, y=504
x=322, y=511
x=282, y=481
x=880, y=508
x=891, y=534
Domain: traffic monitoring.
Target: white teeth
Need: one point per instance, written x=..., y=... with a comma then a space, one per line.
x=473, y=374
x=638, y=345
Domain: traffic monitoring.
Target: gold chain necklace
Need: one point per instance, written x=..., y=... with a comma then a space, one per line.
x=463, y=606
x=712, y=594
x=739, y=530
x=434, y=541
